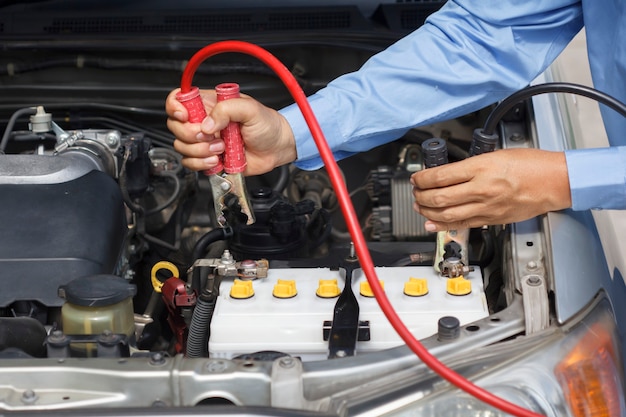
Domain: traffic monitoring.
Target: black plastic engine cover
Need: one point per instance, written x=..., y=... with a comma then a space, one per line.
x=53, y=233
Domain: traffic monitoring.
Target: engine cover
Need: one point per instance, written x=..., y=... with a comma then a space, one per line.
x=52, y=232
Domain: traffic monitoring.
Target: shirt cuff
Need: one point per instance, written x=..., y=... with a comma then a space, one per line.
x=597, y=178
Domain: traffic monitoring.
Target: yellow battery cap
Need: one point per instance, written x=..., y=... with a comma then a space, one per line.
x=285, y=289
x=366, y=291
x=416, y=287
x=241, y=289
x=458, y=286
x=327, y=288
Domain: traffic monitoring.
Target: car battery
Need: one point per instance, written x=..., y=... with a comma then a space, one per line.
x=285, y=312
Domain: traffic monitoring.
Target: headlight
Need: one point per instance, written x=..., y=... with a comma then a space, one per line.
x=575, y=371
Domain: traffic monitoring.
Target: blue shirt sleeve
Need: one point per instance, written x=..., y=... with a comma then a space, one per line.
x=597, y=177
x=466, y=56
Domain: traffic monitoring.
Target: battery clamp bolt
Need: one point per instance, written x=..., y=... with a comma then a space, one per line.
x=227, y=258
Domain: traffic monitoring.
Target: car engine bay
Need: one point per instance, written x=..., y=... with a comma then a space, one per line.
x=117, y=206
x=121, y=278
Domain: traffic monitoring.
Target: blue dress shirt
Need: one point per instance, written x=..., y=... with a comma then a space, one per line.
x=466, y=56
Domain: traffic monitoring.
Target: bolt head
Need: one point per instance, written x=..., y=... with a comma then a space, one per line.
x=286, y=362
x=216, y=366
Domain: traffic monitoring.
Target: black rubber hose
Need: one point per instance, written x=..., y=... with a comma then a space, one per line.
x=283, y=179
x=198, y=336
x=23, y=333
x=200, y=248
x=508, y=103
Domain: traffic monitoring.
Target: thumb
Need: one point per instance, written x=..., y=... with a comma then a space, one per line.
x=240, y=110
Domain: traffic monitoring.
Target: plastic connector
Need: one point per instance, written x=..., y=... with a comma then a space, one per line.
x=40, y=122
x=435, y=152
x=482, y=142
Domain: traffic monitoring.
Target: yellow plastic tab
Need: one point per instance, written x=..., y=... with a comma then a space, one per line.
x=241, y=289
x=366, y=291
x=328, y=288
x=416, y=287
x=459, y=286
x=156, y=283
x=285, y=289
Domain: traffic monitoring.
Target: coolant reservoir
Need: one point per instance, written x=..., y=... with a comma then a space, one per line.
x=97, y=303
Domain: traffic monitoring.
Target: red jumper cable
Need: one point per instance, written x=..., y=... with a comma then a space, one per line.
x=347, y=209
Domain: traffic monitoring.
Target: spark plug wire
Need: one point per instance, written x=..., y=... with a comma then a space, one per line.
x=349, y=214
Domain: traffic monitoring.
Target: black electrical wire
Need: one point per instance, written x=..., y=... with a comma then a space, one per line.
x=508, y=103
x=172, y=198
x=124, y=189
x=172, y=174
x=7, y=132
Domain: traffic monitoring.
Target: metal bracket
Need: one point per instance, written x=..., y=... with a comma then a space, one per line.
x=536, y=305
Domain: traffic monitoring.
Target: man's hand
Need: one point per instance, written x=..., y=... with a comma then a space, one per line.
x=495, y=188
x=267, y=135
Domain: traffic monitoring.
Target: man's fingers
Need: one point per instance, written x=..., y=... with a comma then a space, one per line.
x=454, y=195
x=445, y=175
x=432, y=226
x=178, y=112
x=200, y=149
x=458, y=214
x=174, y=108
x=200, y=164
